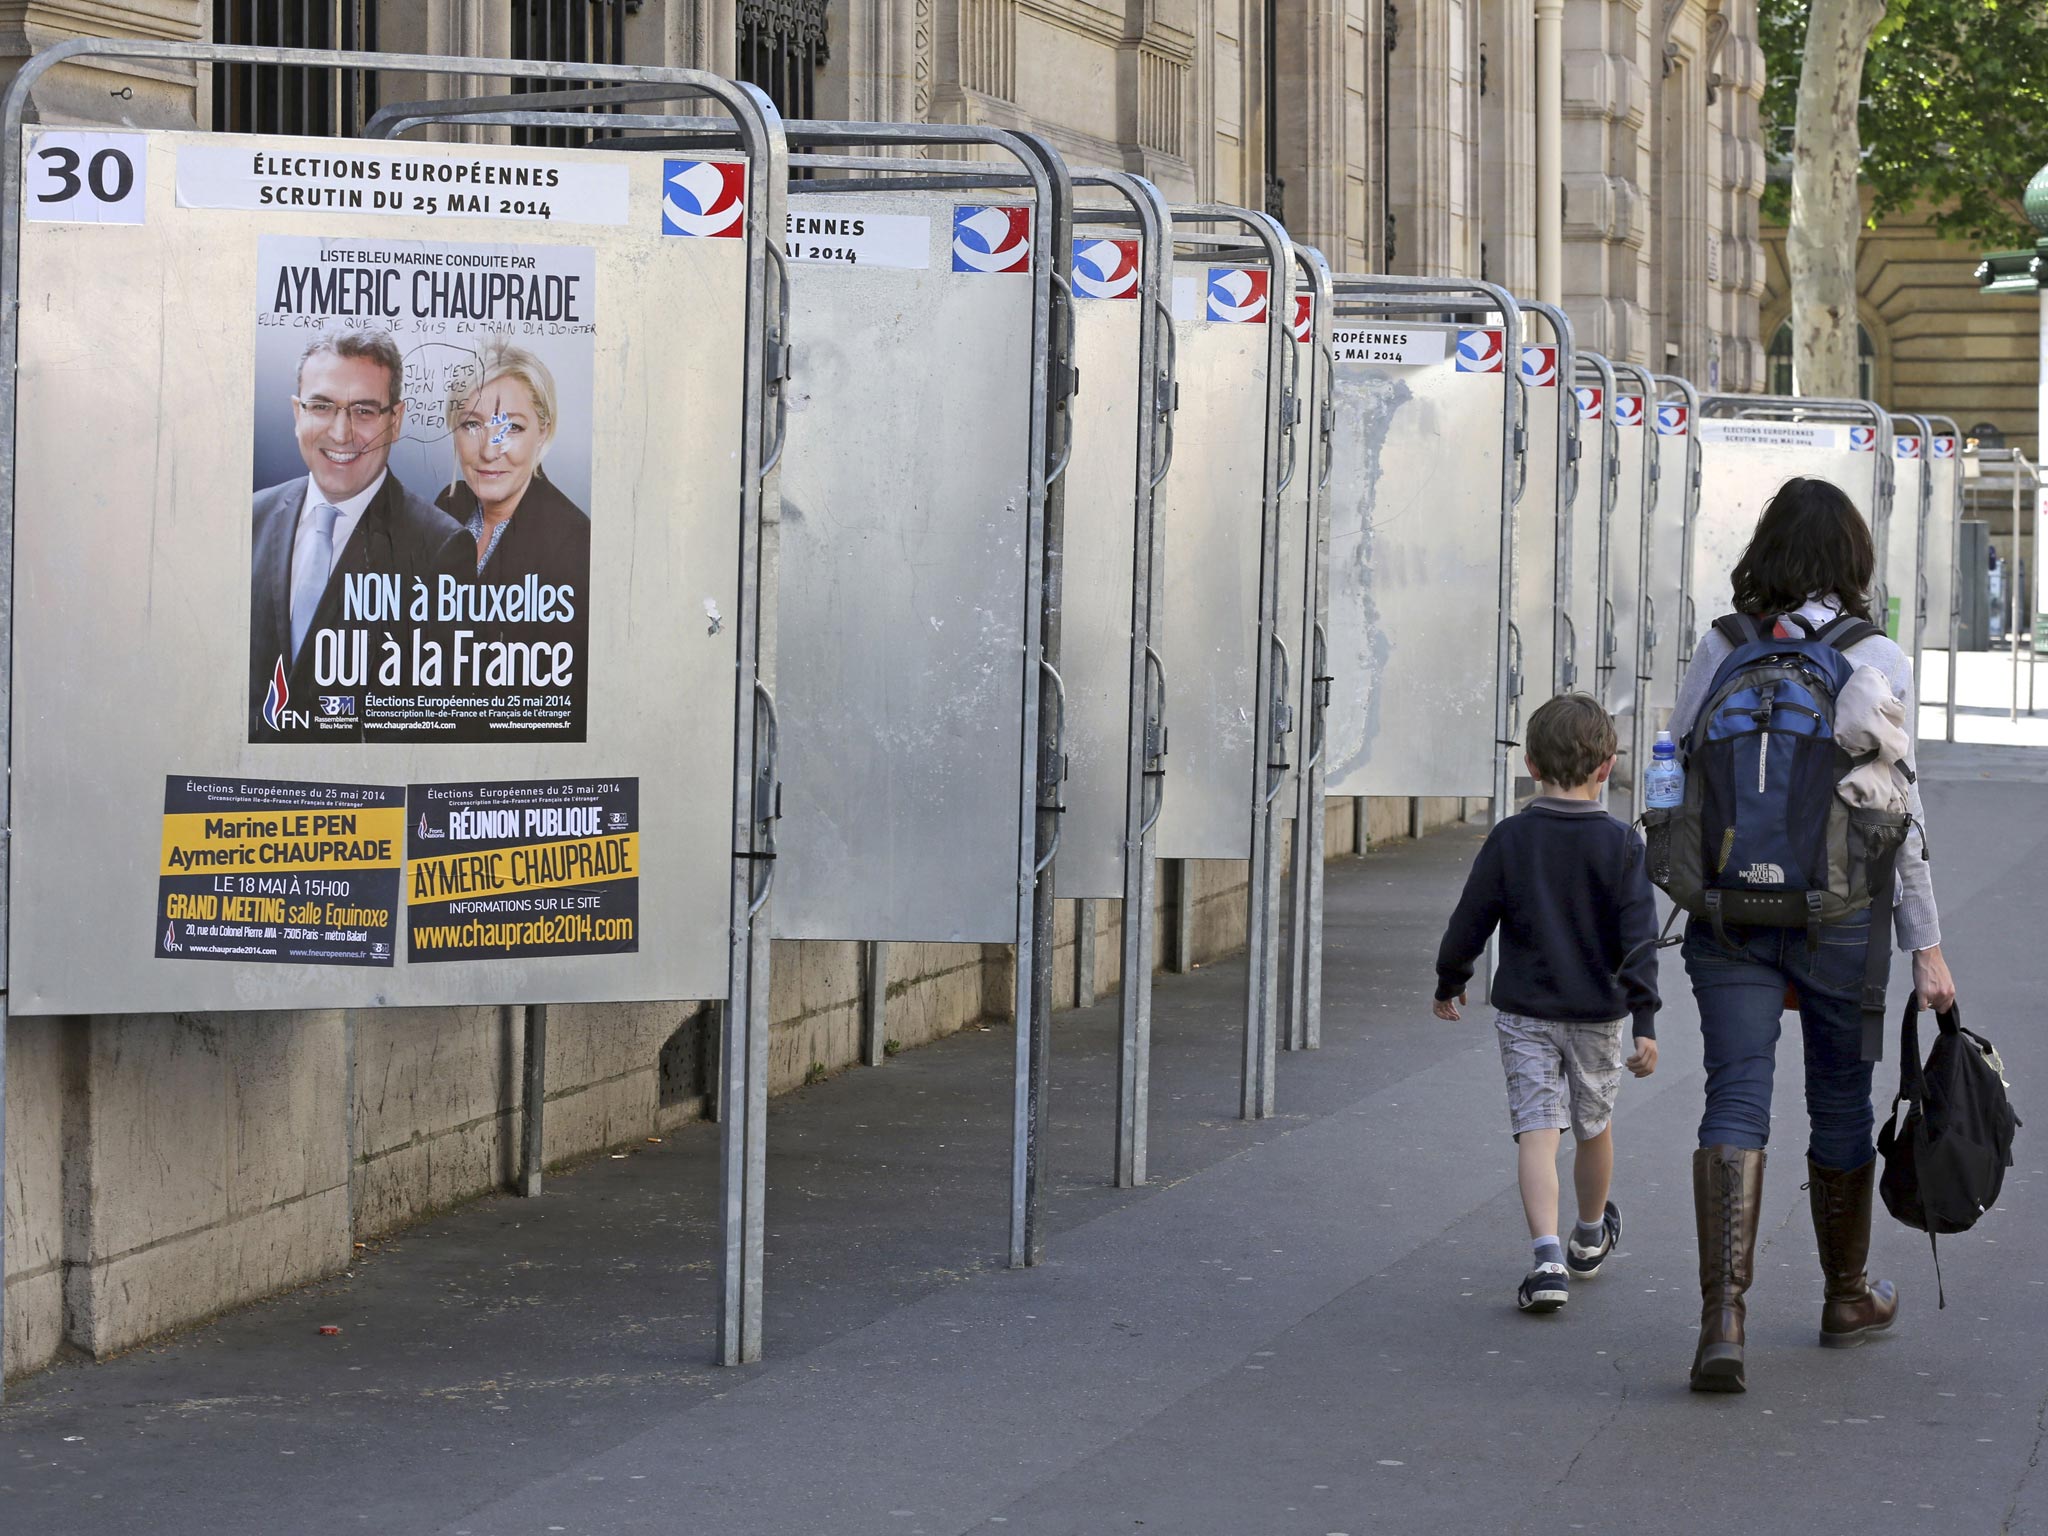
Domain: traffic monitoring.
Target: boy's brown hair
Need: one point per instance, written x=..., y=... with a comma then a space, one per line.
x=1568, y=739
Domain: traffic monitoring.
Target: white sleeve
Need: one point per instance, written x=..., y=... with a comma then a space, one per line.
x=1914, y=918
x=1707, y=657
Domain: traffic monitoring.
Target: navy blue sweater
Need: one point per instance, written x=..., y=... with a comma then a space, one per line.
x=1567, y=886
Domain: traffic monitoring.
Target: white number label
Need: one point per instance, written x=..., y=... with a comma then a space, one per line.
x=85, y=178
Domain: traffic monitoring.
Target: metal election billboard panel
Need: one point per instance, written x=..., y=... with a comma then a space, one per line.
x=1742, y=464
x=1212, y=504
x=1415, y=533
x=400, y=543
x=906, y=513
x=1099, y=558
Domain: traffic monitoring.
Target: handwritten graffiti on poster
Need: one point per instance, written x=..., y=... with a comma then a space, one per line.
x=523, y=869
x=267, y=871
x=420, y=549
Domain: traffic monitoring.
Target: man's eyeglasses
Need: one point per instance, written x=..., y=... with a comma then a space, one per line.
x=364, y=413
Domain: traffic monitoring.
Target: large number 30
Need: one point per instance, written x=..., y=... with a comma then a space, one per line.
x=109, y=175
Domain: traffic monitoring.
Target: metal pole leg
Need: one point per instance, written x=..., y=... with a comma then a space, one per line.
x=1183, y=916
x=1292, y=909
x=533, y=1100
x=1256, y=1098
x=1311, y=998
x=743, y=1159
x=1029, y=1112
x=1134, y=1052
x=753, y=1112
x=348, y=1123
x=3, y=1186
x=1084, y=954
x=874, y=1003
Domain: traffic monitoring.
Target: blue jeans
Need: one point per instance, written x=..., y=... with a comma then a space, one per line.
x=1740, y=986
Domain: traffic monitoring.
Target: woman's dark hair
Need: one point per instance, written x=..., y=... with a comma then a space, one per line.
x=1810, y=541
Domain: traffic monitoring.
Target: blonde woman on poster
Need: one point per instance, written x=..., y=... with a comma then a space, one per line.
x=502, y=428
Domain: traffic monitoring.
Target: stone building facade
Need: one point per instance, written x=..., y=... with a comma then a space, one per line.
x=163, y=1168
x=1395, y=135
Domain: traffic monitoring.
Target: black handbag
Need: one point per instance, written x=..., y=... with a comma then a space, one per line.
x=1945, y=1160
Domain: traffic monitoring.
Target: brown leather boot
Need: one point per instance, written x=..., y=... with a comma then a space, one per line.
x=1855, y=1308
x=1727, y=1192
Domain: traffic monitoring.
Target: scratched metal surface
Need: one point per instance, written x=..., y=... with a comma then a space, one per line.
x=1415, y=514
x=905, y=537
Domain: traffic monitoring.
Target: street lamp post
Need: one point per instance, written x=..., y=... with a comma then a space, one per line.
x=2036, y=204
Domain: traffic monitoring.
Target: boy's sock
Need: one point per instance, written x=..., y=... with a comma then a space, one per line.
x=1548, y=1250
x=1589, y=1233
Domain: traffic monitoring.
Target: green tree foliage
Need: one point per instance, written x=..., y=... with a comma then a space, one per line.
x=1954, y=113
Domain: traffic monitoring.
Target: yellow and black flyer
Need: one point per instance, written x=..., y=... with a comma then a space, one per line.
x=523, y=869
x=267, y=871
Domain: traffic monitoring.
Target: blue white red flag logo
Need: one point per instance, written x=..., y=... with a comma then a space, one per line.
x=1628, y=410
x=1106, y=269
x=1671, y=420
x=1304, y=316
x=1906, y=447
x=1944, y=448
x=704, y=197
x=1480, y=352
x=278, y=696
x=991, y=239
x=1863, y=439
x=1238, y=295
x=1539, y=367
x=1589, y=402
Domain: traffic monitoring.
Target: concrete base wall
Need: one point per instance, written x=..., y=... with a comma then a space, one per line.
x=163, y=1168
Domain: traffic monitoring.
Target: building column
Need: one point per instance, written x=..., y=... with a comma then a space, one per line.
x=1507, y=138
x=1550, y=151
x=1310, y=121
x=880, y=66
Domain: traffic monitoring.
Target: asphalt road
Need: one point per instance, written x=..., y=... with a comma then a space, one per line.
x=1300, y=1326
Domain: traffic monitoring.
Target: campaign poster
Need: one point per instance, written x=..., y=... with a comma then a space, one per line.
x=420, y=530
x=284, y=873
x=522, y=870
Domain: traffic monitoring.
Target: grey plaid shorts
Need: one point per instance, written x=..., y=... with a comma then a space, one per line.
x=1560, y=1076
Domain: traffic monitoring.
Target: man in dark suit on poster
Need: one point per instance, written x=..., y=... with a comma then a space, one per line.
x=348, y=515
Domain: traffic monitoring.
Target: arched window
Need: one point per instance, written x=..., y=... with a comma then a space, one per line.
x=1778, y=363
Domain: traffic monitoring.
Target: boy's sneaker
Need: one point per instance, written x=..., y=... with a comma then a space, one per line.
x=1585, y=1259
x=1544, y=1289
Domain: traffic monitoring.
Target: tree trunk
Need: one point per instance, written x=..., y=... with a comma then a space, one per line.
x=1827, y=215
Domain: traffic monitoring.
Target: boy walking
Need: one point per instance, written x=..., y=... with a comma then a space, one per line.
x=1566, y=885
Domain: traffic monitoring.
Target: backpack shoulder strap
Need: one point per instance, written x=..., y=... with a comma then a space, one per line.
x=1738, y=629
x=1848, y=630
x=1877, y=962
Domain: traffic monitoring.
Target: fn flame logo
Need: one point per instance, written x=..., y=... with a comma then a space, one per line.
x=277, y=713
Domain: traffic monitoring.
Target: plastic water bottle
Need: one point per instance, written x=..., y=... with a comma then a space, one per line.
x=1664, y=782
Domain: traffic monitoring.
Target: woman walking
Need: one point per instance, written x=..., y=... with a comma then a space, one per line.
x=1810, y=561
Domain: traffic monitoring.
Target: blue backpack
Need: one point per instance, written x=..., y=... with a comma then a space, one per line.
x=1762, y=838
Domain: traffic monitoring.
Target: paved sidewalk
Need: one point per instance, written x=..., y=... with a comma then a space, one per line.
x=1302, y=1326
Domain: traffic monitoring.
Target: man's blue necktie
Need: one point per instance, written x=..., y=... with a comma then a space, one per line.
x=312, y=580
